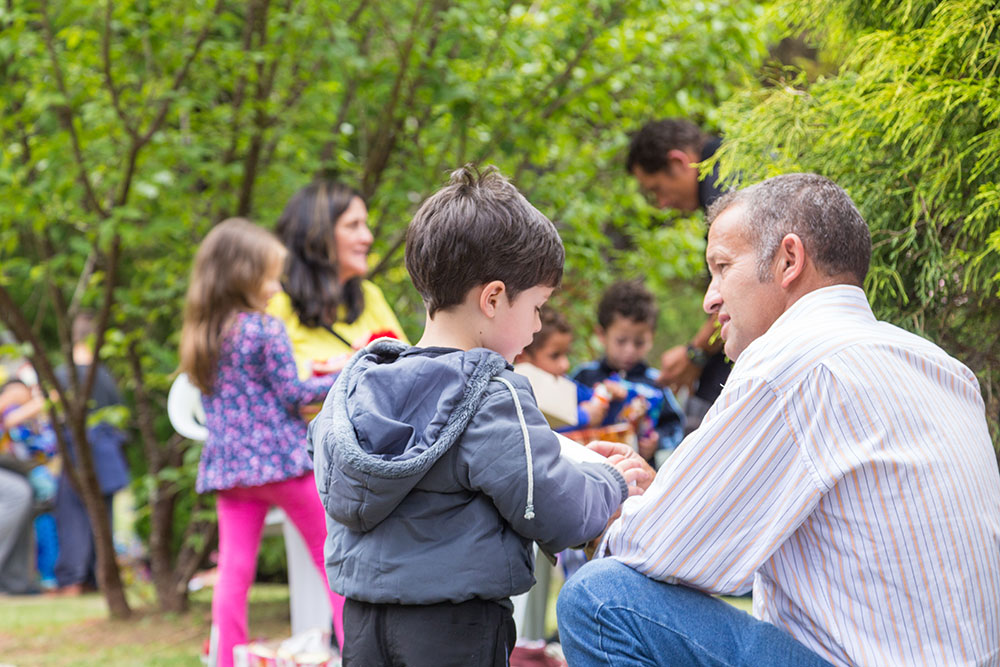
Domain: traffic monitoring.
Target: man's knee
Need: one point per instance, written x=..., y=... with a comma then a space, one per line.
x=592, y=585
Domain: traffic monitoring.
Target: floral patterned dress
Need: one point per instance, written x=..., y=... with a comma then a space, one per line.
x=255, y=432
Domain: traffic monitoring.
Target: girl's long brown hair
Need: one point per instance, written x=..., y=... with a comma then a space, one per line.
x=227, y=278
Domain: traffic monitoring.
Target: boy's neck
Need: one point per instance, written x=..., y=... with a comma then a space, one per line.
x=452, y=328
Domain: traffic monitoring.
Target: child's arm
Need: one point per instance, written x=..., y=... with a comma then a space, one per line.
x=568, y=503
x=279, y=367
x=591, y=407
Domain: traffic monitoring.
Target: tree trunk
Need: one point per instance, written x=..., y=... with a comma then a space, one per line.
x=108, y=575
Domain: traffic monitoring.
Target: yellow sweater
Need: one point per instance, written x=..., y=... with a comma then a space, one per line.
x=317, y=344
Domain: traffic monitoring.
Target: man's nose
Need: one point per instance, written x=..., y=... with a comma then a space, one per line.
x=713, y=298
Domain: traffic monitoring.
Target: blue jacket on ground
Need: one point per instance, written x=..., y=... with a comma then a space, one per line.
x=437, y=471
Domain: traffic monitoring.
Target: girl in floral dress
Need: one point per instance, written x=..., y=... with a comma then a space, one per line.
x=255, y=455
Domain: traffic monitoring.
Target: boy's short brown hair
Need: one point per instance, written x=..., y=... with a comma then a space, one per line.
x=476, y=229
x=629, y=299
x=552, y=322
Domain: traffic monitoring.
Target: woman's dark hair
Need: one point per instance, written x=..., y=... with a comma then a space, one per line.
x=312, y=279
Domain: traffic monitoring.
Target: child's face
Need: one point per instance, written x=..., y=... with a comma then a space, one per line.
x=626, y=342
x=517, y=321
x=552, y=356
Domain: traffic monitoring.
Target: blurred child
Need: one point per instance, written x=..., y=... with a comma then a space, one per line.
x=435, y=466
x=626, y=319
x=27, y=444
x=255, y=455
x=549, y=351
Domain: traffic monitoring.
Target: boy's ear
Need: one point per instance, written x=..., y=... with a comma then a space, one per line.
x=489, y=297
x=601, y=335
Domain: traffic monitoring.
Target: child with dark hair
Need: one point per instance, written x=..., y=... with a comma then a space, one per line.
x=435, y=466
x=626, y=317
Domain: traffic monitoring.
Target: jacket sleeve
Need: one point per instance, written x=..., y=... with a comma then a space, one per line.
x=560, y=504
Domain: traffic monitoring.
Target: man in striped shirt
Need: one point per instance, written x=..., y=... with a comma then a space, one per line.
x=845, y=472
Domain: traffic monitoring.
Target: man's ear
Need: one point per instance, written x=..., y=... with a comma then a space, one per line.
x=791, y=259
x=489, y=297
x=678, y=159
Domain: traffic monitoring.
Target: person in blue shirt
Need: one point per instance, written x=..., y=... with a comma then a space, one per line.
x=626, y=317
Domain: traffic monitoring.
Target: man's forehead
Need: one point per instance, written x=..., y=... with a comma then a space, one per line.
x=730, y=222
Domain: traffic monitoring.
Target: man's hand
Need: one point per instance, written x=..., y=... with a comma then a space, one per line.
x=677, y=370
x=637, y=473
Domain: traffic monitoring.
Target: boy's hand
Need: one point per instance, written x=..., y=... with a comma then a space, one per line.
x=648, y=445
x=637, y=473
x=616, y=389
x=596, y=410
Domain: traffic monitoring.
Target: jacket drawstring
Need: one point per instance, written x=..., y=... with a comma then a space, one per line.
x=529, y=508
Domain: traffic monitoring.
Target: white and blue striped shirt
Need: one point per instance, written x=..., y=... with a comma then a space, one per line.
x=846, y=471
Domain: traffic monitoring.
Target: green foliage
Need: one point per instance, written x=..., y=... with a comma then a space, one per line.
x=908, y=127
x=129, y=129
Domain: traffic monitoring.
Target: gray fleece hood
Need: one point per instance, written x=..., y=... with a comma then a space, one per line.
x=385, y=438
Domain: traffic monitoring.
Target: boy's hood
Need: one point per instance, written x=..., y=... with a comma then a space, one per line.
x=393, y=412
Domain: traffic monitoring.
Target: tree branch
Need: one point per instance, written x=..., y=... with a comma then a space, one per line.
x=103, y=317
x=65, y=112
x=108, y=78
x=144, y=416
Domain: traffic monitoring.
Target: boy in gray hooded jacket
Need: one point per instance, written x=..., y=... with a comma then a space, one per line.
x=434, y=464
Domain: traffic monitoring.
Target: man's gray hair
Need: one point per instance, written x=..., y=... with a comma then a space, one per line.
x=813, y=207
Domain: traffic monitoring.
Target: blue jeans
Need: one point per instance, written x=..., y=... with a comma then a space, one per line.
x=609, y=614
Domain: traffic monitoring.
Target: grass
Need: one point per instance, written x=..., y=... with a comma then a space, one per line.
x=76, y=632
x=37, y=631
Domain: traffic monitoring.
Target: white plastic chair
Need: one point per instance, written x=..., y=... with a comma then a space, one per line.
x=308, y=602
x=187, y=415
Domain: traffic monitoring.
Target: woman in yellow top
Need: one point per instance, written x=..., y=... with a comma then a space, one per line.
x=328, y=308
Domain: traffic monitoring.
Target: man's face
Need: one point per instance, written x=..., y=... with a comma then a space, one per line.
x=626, y=342
x=746, y=306
x=675, y=186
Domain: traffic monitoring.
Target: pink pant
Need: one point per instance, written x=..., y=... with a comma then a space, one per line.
x=241, y=514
